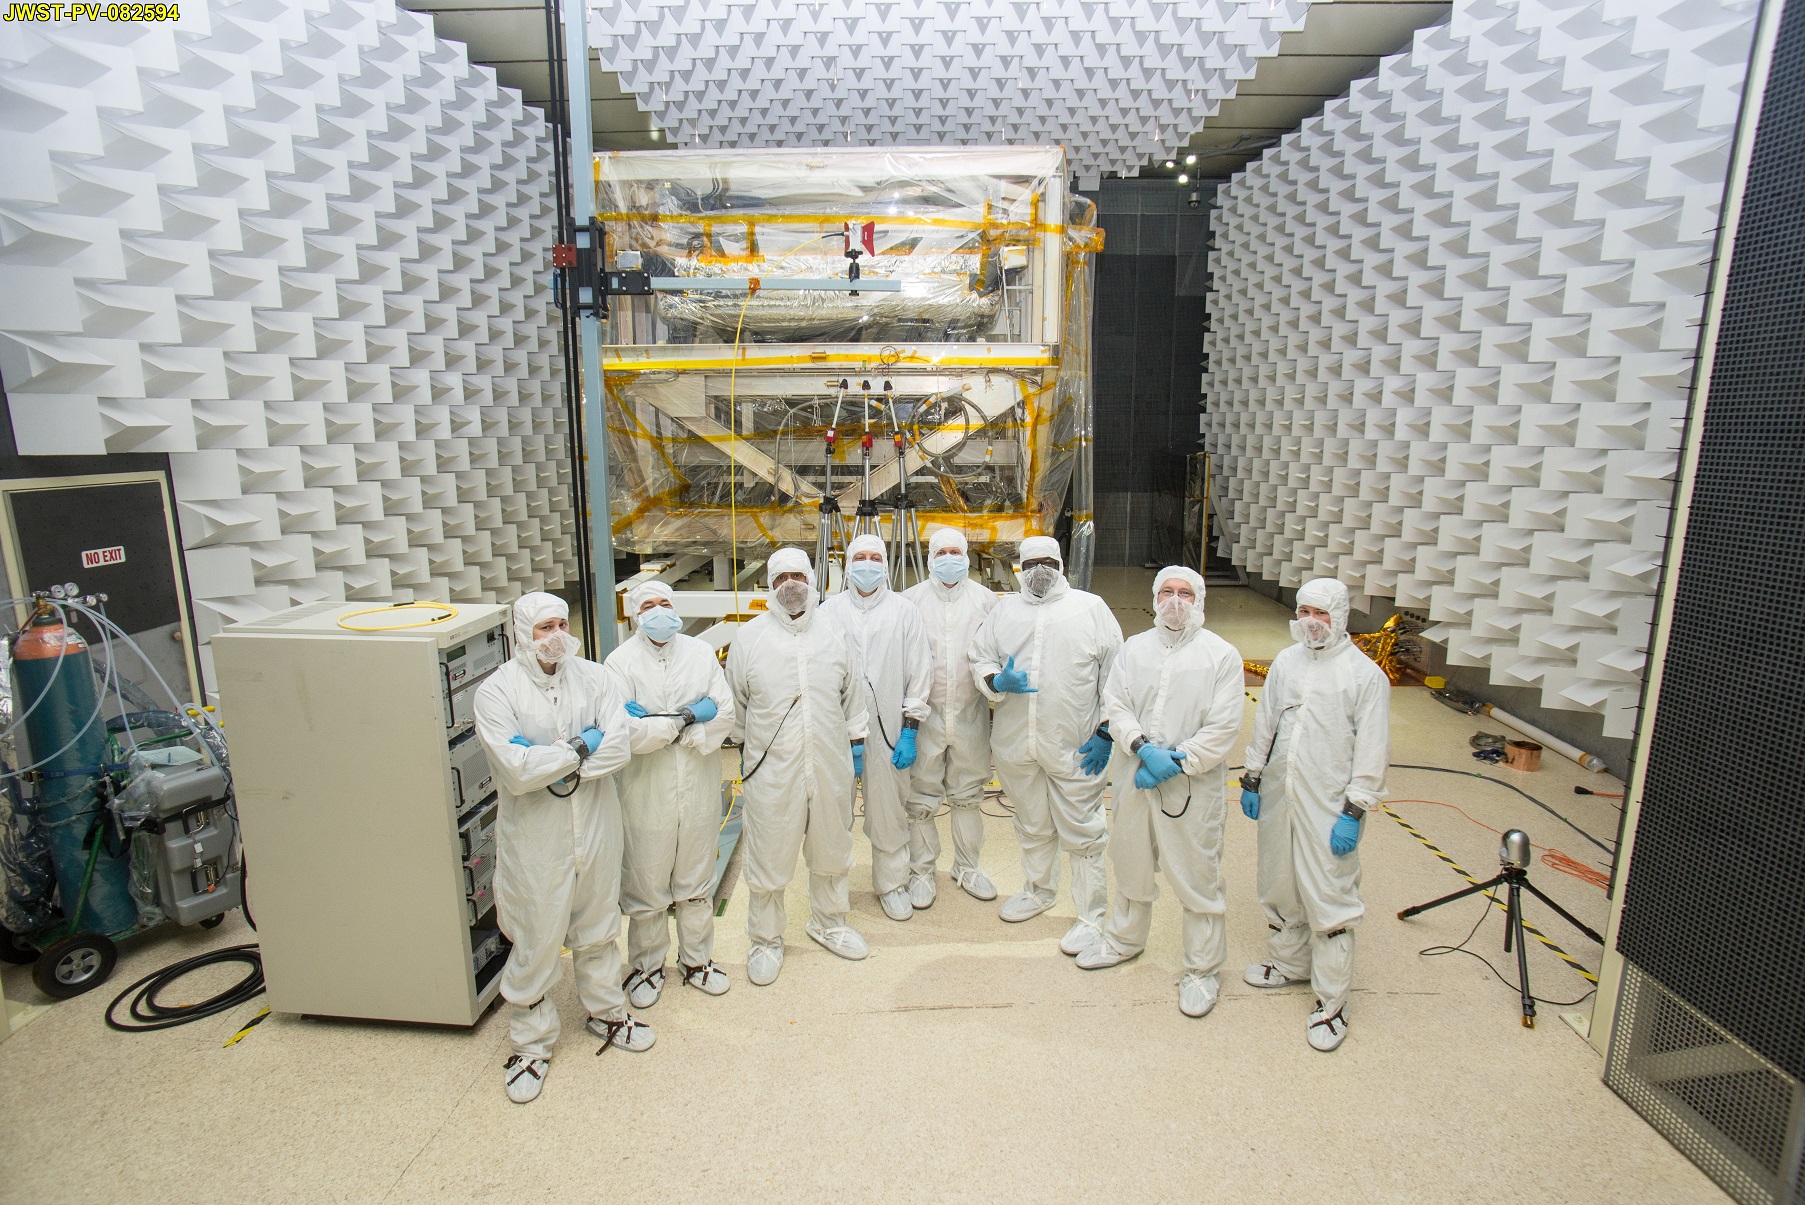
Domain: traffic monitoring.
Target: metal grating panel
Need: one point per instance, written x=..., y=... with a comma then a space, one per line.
x=1714, y=902
x=1725, y=1107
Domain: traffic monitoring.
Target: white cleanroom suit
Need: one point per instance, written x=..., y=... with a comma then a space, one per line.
x=799, y=706
x=1180, y=689
x=894, y=667
x=1064, y=640
x=954, y=759
x=1325, y=715
x=557, y=860
x=670, y=793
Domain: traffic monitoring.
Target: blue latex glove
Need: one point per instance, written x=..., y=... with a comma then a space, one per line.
x=636, y=710
x=904, y=757
x=1160, y=763
x=521, y=741
x=1250, y=804
x=858, y=760
x=1093, y=755
x=704, y=709
x=1344, y=836
x=593, y=738
x=1012, y=681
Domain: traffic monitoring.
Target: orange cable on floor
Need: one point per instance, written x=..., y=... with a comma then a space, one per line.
x=1553, y=859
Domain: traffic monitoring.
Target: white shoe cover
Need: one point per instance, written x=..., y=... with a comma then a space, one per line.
x=1102, y=953
x=1264, y=974
x=523, y=1075
x=762, y=965
x=921, y=890
x=896, y=904
x=974, y=882
x=709, y=978
x=1024, y=905
x=1326, y=1033
x=1197, y=994
x=630, y=1034
x=643, y=990
x=1080, y=937
x=840, y=940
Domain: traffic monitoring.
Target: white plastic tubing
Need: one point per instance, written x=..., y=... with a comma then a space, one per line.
x=1573, y=753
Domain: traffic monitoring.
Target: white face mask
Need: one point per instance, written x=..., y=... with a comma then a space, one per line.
x=555, y=648
x=1175, y=612
x=866, y=575
x=1040, y=580
x=951, y=567
x=792, y=596
x=1311, y=632
x=660, y=623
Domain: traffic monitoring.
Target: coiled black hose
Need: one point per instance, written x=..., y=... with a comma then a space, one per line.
x=147, y=1014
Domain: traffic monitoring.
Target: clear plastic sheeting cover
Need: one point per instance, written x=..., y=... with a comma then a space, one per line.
x=955, y=228
x=973, y=380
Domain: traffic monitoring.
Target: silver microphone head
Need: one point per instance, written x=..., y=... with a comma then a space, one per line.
x=1515, y=851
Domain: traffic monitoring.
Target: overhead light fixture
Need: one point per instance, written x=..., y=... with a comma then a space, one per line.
x=1190, y=160
x=1170, y=164
x=1183, y=179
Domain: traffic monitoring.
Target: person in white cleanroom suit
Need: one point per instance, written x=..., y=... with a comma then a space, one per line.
x=670, y=793
x=890, y=656
x=555, y=733
x=1316, y=765
x=800, y=718
x=953, y=761
x=1040, y=657
x=1173, y=700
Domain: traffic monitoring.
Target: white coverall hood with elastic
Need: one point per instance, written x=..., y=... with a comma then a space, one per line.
x=1039, y=584
x=943, y=538
x=558, y=860
x=1065, y=643
x=953, y=757
x=790, y=560
x=798, y=706
x=1327, y=594
x=895, y=669
x=1326, y=715
x=867, y=543
x=670, y=793
x=1181, y=690
x=1190, y=617
x=530, y=611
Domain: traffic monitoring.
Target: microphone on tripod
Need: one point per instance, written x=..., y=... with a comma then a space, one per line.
x=1514, y=854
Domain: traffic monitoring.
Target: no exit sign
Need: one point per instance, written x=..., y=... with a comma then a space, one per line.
x=94, y=558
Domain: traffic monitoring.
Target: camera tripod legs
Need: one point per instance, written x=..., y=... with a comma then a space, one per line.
x=1515, y=880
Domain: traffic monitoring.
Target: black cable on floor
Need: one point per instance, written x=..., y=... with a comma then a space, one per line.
x=1438, y=951
x=1497, y=782
x=149, y=1014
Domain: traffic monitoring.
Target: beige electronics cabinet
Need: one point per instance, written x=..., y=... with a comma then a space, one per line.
x=367, y=807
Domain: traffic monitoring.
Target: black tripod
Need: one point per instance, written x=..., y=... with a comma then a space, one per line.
x=1513, y=875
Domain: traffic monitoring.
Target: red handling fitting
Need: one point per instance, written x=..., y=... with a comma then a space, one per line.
x=865, y=441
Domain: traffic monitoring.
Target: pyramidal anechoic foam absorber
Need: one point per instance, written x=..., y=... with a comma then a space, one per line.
x=1452, y=326
x=1116, y=82
x=301, y=248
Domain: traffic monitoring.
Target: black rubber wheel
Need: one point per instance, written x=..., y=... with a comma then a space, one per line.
x=15, y=950
x=214, y=921
x=74, y=965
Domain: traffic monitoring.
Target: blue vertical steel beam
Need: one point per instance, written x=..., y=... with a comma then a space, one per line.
x=595, y=418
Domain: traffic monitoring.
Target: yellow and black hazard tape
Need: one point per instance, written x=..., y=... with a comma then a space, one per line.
x=1429, y=845
x=238, y=1037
